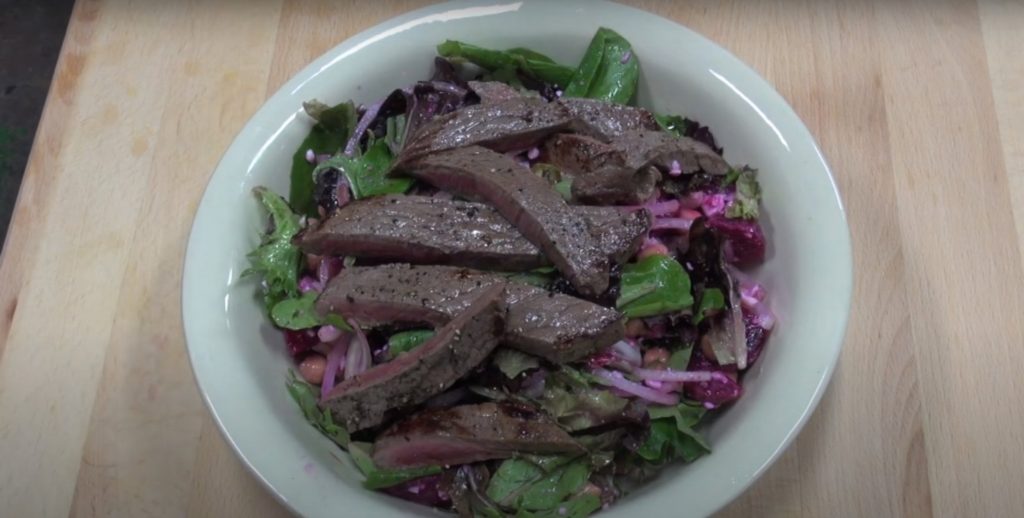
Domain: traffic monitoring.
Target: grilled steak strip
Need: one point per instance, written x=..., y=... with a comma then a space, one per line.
x=550, y=325
x=528, y=202
x=469, y=433
x=463, y=343
x=426, y=230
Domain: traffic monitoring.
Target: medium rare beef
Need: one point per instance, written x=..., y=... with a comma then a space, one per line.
x=616, y=185
x=528, y=202
x=661, y=150
x=428, y=230
x=361, y=401
x=558, y=327
x=515, y=124
x=423, y=230
x=579, y=154
x=606, y=121
x=470, y=433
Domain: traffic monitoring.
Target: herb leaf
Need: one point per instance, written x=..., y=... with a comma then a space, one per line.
x=608, y=71
x=654, y=285
x=307, y=398
x=328, y=136
x=378, y=478
x=276, y=260
x=748, y=195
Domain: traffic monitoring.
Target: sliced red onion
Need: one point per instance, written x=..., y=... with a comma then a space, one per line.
x=310, y=156
x=335, y=362
x=359, y=355
x=533, y=153
x=615, y=379
x=329, y=267
x=675, y=169
x=692, y=200
x=680, y=224
x=308, y=284
x=627, y=351
x=678, y=376
x=328, y=333
x=362, y=126
x=321, y=158
x=715, y=204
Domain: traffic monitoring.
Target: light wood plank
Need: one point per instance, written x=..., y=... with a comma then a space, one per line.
x=145, y=427
x=963, y=267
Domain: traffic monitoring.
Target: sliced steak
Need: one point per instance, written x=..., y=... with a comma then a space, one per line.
x=492, y=92
x=427, y=230
x=616, y=185
x=579, y=154
x=558, y=327
x=515, y=124
x=528, y=202
x=360, y=402
x=423, y=230
x=660, y=149
x=469, y=433
x=606, y=121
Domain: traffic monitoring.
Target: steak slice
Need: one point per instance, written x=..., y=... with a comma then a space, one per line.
x=554, y=326
x=515, y=124
x=606, y=121
x=426, y=230
x=579, y=154
x=469, y=433
x=616, y=185
x=660, y=149
x=528, y=202
x=491, y=92
x=360, y=402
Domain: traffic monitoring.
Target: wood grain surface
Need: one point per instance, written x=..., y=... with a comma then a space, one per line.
x=917, y=105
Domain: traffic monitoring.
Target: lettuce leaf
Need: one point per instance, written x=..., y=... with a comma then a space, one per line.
x=654, y=285
x=276, y=260
x=368, y=173
x=748, y=195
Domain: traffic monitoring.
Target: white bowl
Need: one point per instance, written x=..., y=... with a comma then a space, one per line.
x=240, y=362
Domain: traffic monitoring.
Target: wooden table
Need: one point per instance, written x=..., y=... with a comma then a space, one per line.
x=918, y=106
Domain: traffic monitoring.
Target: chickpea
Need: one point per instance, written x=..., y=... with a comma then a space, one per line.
x=635, y=327
x=312, y=368
x=656, y=357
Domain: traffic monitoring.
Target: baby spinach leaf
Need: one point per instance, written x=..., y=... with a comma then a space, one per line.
x=654, y=285
x=406, y=341
x=672, y=435
x=328, y=136
x=608, y=71
x=550, y=490
x=511, y=477
x=307, y=399
x=531, y=63
x=578, y=507
x=276, y=260
x=378, y=478
x=711, y=300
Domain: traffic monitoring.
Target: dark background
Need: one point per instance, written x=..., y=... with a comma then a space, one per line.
x=31, y=34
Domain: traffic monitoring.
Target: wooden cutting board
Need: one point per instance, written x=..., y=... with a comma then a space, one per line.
x=917, y=105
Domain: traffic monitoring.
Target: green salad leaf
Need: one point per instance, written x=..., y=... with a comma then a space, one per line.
x=748, y=195
x=406, y=341
x=673, y=124
x=378, y=478
x=523, y=485
x=306, y=397
x=672, y=435
x=608, y=71
x=577, y=507
x=332, y=130
x=680, y=358
x=513, y=363
x=711, y=300
x=575, y=403
x=367, y=174
x=533, y=64
x=296, y=313
x=654, y=285
x=276, y=260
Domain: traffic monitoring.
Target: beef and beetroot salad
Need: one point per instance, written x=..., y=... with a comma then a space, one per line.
x=507, y=290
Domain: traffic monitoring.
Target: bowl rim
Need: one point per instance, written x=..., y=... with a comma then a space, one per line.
x=309, y=72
